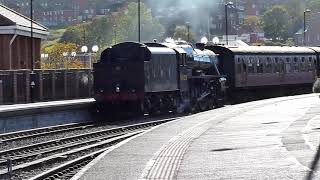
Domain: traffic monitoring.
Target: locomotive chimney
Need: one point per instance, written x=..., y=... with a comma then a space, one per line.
x=200, y=46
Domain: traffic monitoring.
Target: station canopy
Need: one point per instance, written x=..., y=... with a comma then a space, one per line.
x=12, y=22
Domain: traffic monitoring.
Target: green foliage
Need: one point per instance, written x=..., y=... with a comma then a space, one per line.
x=73, y=34
x=314, y=5
x=127, y=24
x=251, y=24
x=295, y=10
x=181, y=32
x=275, y=23
x=122, y=26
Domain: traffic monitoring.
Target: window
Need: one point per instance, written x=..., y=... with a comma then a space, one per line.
x=288, y=65
x=295, y=64
x=268, y=67
x=276, y=65
x=251, y=65
x=239, y=64
x=260, y=65
x=303, y=67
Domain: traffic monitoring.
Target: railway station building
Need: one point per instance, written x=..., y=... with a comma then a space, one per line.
x=15, y=40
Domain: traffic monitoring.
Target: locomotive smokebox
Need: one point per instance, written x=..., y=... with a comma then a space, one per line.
x=200, y=46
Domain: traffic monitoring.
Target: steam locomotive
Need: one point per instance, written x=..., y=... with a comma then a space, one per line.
x=154, y=77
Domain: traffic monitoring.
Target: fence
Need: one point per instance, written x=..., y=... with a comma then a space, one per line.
x=15, y=85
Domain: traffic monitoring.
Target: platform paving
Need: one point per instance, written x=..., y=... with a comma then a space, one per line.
x=270, y=139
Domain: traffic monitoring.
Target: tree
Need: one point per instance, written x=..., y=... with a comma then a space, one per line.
x=122, y=26
x=251, y=24
x=56, y=58
x=295, y=10
x=181, y=32
x=73, y=34
x=314, y=5
x=127, y=24
x=275, y=23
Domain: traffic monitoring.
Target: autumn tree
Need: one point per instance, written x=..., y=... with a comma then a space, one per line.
x=181, y=32
x=275, y=23
x=59, y=57
x=251, y=24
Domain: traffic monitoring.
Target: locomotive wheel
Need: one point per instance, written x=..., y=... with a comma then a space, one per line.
x=203, y=106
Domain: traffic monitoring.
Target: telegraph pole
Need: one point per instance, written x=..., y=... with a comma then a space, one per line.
x=139, y=21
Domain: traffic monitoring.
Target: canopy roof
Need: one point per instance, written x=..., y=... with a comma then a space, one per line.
x=12, y=22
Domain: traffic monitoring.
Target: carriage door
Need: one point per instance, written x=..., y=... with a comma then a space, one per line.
x=244, y=72
x=282, y=71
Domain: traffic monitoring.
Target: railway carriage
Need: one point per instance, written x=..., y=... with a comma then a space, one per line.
x=280, y=69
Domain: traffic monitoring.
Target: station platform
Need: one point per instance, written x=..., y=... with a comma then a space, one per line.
x=20, y=117
x=43, y=105
x=271, y=139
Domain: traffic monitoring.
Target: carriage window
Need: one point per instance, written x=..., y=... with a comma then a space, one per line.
x=239, y=64
x=251, y=65
x=287, y=65
x=276, y=67
x=295, y=65
x=288, y=60
x=244, y=66
x=303, y=65
x=268, y=67
x=310, y=65
x=260, y=66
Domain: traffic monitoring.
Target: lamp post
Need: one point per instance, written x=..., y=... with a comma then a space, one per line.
x=115, y=33
x=32, y=74
x=139, y=21
x=94, y=49
x=84, y=50
x=66, y=60
x=304, y=26
x=188, y=31
x=84, y=34
x=226, y=14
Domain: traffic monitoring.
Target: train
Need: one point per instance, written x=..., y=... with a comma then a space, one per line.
x=177, y=77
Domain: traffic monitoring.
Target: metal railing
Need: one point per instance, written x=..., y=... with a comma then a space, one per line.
x=50, y=85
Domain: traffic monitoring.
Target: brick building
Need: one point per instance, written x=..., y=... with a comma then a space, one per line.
x=62, y=12
x=15, y=40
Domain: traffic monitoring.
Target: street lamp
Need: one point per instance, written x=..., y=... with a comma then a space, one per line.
x=84, y=50
x=84, y=33
x=139, y=21
x=188, y=31
x=32, y=74
x=226, y=14
x=94, y=49
x=115, y=33
x=304, y=26
x=66, y=59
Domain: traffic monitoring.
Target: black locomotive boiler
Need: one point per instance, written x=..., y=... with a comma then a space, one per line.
x=148, y=78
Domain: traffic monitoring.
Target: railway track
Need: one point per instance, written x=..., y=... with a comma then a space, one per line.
x=64, y=156
x=20, y=135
